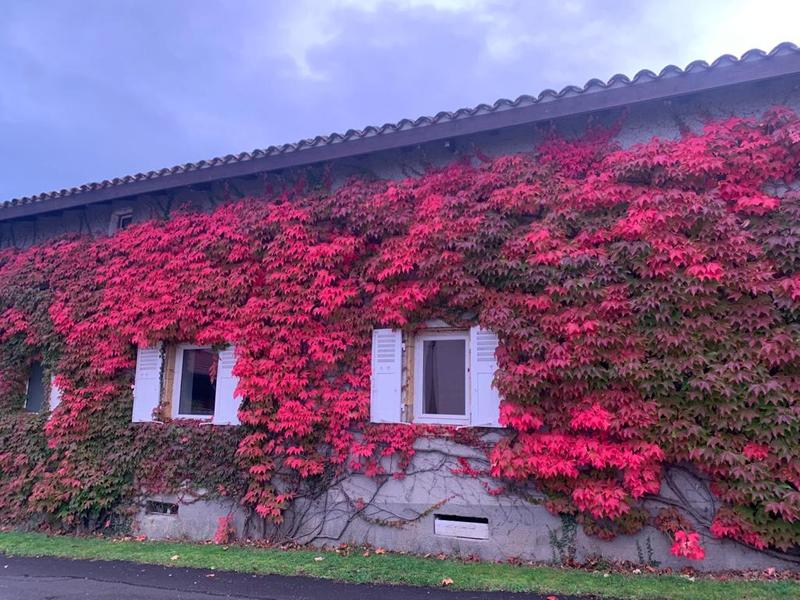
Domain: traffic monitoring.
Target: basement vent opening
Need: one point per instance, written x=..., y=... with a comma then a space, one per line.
x=153, y=507
x=473, y=528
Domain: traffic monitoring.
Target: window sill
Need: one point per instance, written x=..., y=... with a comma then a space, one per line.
x=431, y=420
x=208, y=418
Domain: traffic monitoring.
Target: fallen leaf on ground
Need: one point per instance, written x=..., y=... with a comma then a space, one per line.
x=174, y=557
x=447, y=581
x=380, y=551
x=319, y=558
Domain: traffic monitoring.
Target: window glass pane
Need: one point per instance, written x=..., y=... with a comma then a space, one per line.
x=444, y=376
x=124, y=221
x=198, y=382
x=35, y=396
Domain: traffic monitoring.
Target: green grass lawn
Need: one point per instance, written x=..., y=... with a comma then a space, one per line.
x=396, y=568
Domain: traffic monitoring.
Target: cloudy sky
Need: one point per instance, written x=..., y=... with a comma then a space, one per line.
x=93, y=90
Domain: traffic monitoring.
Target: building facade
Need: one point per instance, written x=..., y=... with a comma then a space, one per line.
x=437, y=373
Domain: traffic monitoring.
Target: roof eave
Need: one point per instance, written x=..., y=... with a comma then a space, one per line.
x=664, y=87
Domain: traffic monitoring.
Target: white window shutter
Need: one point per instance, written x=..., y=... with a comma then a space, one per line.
x=55, y=394
x=386, y=399
x=147, y=384
x=483, y=364
x=226, y=404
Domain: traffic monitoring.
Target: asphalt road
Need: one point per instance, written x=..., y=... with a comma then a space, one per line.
x=62, y=579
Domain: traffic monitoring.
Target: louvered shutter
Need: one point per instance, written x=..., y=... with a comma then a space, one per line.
x=485, y=398
x=55, y=394
x=147, y=384
x=386, y=399
x=226, y=404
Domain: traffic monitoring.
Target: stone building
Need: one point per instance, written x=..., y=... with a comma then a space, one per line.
x=466, y=520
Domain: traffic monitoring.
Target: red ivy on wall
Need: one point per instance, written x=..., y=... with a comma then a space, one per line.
x=646, y=300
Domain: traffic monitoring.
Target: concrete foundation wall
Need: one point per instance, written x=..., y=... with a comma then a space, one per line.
x=196, y=520
x=399, y=515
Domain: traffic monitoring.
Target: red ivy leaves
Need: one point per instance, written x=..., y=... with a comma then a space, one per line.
x=646, y=301
x=687, y=544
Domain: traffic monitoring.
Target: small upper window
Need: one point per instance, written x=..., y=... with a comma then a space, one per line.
x=124, y=221
x=120, y=219
x=34, y=393
x=196, y=381
x=442, y=377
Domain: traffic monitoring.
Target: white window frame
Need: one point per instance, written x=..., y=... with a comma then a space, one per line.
x=176, y=384
x=419, y=369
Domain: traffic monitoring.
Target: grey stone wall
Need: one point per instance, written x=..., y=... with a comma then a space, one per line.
x=196, y=519
x=400, y=514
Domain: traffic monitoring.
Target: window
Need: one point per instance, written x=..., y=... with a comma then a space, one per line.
x=473, y=528
x=195, y=381
x=124, y=221
x=34, y=391
x=440, y=376
x=185, y=381
x=156, y=507
x=120, y=219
